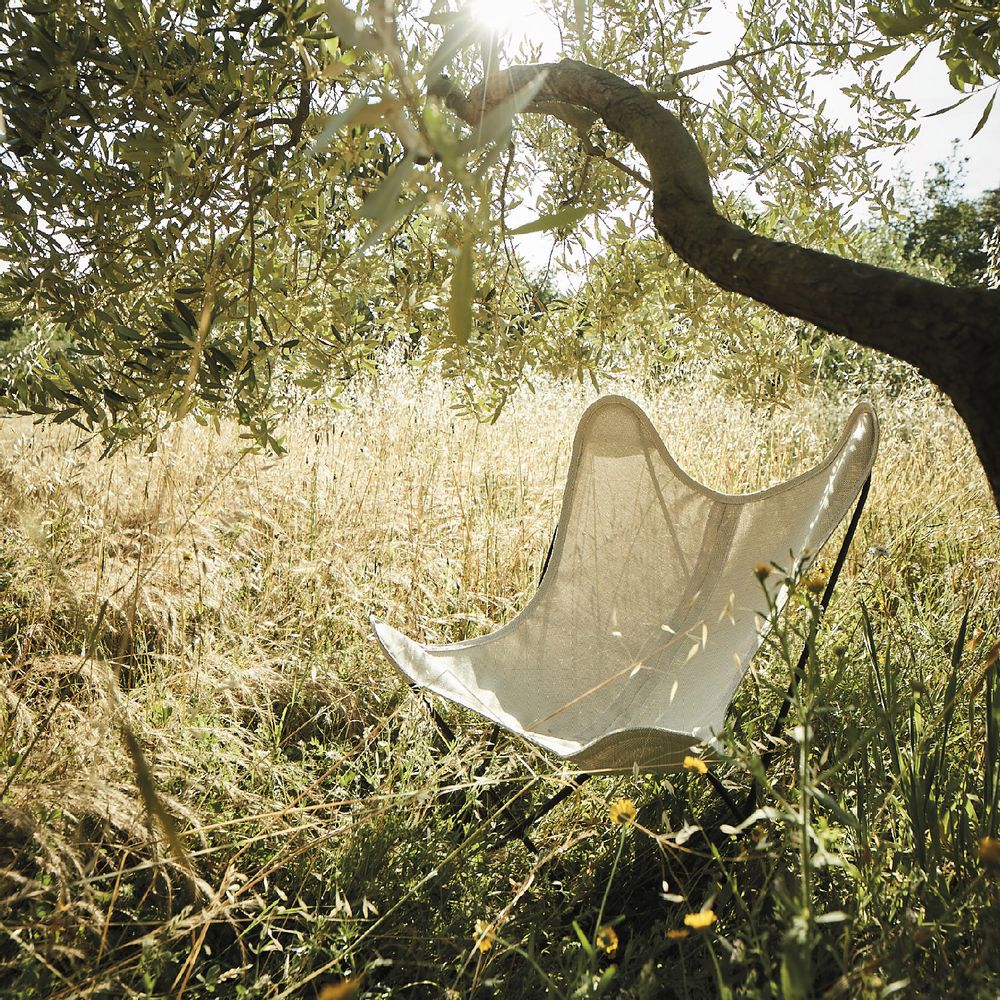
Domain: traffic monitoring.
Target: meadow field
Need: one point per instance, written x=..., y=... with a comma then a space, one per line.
x=215, y=785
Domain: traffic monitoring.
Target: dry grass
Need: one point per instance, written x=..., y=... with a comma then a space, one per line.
x=217, y=605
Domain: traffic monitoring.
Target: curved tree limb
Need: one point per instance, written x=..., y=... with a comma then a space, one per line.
x=951, y=335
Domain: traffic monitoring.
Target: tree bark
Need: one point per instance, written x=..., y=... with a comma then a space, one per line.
x=949, y=334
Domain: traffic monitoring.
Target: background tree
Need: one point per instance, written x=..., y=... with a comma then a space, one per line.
x=950, y=231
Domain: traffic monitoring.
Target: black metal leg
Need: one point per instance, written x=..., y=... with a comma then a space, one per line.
x=521, y=830
x=723, y=793
x=768, y=756
x=548, y=555
x=446, y=732
x=489, y=793
x=491, y=743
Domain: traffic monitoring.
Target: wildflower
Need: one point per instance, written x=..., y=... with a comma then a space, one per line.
x=483, y=936
x=607, y=940
x=989, y=853
x=622, y=812
x=678, y=934
x=816, y=582
x=346, y=989
x=762, y=571
x=696, y=764
x=700, y=921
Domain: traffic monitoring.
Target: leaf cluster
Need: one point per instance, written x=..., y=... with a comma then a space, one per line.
x=227, y=207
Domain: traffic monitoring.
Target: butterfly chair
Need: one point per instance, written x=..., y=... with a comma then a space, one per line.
x=649, y=610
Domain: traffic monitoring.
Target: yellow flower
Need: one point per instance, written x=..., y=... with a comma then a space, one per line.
x=607, y=940
x=678, y=934
x=815, y=582
x=989, y=852
x=622, y=812
x=696, y=764
x=483, y=936
x=700, y=921
x=346, y=989
x=762, y=571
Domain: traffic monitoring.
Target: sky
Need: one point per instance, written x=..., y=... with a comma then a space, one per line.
x=926, y=85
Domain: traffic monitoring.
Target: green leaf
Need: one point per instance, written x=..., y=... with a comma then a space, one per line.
x=455, y=39
x=895, y=25
x=878, y=51
x=177, y=324
x=382, y=201
x=583, y=939
x=394, y=216
x=345, y=23
x=460, y=304
x=985, y=117
x=962, y=73
x=910, y=63
x=950, y=107
x=336, y=123
x=796, y=973
x=555, y=220
x=607, y=977
x=843, y=815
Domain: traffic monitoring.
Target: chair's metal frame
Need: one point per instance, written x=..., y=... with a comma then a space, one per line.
x=739, y=811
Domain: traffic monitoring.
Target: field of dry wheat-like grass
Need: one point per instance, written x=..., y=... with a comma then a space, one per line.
x=213, y=784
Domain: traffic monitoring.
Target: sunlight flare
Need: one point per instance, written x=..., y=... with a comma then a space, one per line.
x=513, y=19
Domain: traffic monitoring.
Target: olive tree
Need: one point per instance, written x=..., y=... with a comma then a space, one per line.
x=224, y=204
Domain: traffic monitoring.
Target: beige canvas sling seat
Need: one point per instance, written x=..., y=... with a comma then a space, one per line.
x=650, y=609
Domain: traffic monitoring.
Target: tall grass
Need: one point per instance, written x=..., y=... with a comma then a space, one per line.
x=214, y=785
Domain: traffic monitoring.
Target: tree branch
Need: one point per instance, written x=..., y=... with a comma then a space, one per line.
x=948, y=334
x=738, y=57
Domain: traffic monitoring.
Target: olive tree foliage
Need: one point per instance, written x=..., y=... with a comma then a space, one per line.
x=963, y=33
x=203, y=195
x=226, y=205
x=158, y=201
